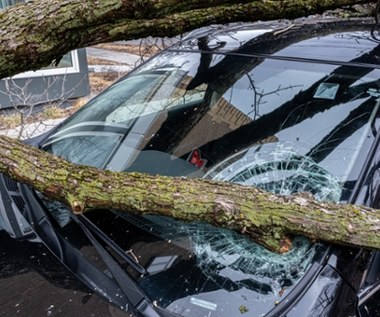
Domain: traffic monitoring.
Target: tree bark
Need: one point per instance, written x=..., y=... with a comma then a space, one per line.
x=269, y=219
x=34, y=34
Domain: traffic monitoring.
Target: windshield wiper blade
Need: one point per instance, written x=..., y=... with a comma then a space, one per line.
x=109, y=242
x=119, y=288
x=131, y=289
x=69, y=256
x=139, y=301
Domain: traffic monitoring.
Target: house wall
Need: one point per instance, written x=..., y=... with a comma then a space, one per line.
x=33, y=88
x=68, y=80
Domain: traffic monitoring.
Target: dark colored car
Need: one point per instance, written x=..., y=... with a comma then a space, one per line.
x=285, y=107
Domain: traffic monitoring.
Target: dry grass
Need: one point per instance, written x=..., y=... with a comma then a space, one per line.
x=101, y=61
x=144, y=50
x=100, y=81
x=79, y=103
x=53, y=111
x=10, y=121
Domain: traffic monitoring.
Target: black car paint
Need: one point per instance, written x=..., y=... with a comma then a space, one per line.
x=329, y=288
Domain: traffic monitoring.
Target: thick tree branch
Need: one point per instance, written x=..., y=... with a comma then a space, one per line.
x=36, y=33
x=267, y=218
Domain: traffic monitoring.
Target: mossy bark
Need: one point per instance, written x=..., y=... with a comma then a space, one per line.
x=269, y=219
x=34, y=34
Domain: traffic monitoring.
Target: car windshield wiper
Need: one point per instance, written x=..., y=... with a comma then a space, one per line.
x=84, y=221
x=128, y=286
x=119, y=288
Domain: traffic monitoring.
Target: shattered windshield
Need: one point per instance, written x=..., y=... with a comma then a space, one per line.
x=285, y=126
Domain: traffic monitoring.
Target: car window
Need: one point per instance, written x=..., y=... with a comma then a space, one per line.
x=285, y=126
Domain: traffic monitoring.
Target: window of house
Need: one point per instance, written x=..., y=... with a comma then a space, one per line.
x=69, y=64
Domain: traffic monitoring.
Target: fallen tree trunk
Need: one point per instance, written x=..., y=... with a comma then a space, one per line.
x=34, y=34
x=267, y=218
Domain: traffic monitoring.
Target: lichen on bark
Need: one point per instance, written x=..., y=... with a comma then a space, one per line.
x=267, y=218
x=36, y=33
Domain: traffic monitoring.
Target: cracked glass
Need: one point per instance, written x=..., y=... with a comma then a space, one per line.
x=284, y=126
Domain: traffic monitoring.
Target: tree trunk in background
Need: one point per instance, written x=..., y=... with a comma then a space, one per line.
x=34, y=34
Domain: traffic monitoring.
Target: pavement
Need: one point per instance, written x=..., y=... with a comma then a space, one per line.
x=32, y=129
x=126, y=61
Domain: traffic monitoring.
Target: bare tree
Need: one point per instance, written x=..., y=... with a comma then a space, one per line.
x=27, y=104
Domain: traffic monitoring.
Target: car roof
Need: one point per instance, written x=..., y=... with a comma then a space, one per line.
x=335, y=41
